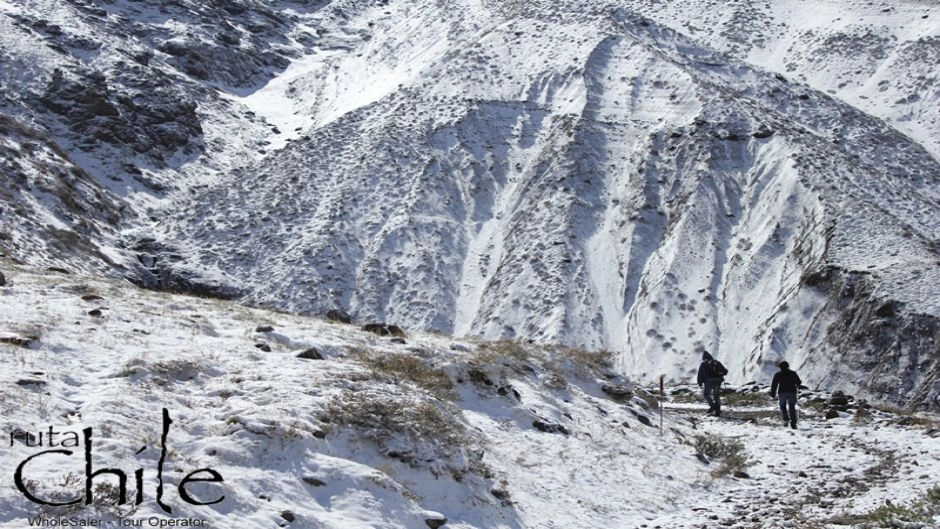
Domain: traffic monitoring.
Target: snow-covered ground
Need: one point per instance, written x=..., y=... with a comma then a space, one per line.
x=381, y=430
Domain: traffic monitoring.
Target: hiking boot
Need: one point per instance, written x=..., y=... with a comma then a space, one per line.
x=793, y=425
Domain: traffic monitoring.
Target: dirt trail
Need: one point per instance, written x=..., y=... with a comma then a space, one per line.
x=827, y=473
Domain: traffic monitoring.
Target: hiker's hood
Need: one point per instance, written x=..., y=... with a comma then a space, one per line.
x=706, y=356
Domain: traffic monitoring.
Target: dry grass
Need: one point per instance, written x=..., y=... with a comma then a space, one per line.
x=559, y=360
x=729, y=452
x=751, y=398
x=177, y=369
x=422, y=425
x=406, y=368
x=922, y=511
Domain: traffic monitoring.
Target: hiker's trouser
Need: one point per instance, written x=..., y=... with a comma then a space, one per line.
x=712, y=393
x=788, y=407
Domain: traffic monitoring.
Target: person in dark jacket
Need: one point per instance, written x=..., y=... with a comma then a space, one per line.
x=711, y=373
x=786, y=383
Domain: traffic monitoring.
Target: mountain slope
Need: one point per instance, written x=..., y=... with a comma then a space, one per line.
x=652, y=197
x=616, y=175
x=367, y=431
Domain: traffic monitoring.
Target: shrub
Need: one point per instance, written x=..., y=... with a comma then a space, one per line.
x=729, y=452
x=411, y=369
x=382, y=417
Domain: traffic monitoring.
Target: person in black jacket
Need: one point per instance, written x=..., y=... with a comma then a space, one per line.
x=711, y=373
x=786, y=383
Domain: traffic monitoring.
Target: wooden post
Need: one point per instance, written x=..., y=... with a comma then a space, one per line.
x=662, y=401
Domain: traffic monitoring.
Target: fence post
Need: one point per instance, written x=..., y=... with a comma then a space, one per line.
x=662, y=401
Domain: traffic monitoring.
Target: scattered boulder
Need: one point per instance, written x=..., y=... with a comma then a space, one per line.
x=58, y=270
x=18, y=340
x=398, y=340
x=384, y=329
x=313, y=482
x=838, y=398
x=338, y=315
x=264, y=347
x=92, y=297
x=832, y=413
x=288, y=515
x=310, y=354
x=264, y=328
x=30, y=382
x=643, y=418
x=505, y=391
x=740, y=474
x=479, y=377
x=549, y=427
x=95, y=313
x=762, y=132
x=434, y=519
x=646, y=399
x=3, y=280
x=617, y=392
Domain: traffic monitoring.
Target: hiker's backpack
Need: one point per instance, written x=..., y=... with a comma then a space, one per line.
x=715, y=369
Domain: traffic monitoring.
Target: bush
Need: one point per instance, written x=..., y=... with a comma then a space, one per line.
x=729, y=452
x=415, y=432
x=411, y=369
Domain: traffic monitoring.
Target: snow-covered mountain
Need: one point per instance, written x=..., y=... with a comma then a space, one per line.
x=653, y=178
x=313, y=424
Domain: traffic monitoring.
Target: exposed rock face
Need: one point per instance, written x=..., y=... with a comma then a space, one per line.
x=155, y=120
x=892, y=351
x=51, y=210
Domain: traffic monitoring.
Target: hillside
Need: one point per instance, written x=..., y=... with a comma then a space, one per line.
x=649, y=178
x=319, y=424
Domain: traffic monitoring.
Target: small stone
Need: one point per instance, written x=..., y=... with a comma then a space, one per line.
x=643, y=418
x=617, y=391
x=338, y=315
x=3, y=280
x=762, y=133
x=95, y=312
x=288, y=515
x=92, y=297
x=838, y=400
x=264, y=347
x=310, y=354
x=740, y=474
x=264, y=328
x=30, y=382
x=549, y=427
x=500, y=494
x=383, y=329
x=312, y=481
x=17, y=340
x=434, y=519
x=832, y=413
